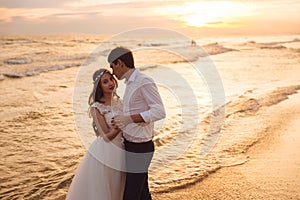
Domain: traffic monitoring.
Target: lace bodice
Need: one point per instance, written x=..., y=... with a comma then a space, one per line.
x=109, y=111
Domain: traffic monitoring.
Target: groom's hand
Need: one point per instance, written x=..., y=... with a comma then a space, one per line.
x=122, y=121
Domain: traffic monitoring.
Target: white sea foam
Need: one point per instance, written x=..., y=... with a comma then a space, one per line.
x=17, y=61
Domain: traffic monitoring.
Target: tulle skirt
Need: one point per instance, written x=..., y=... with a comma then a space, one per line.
x=95, y=180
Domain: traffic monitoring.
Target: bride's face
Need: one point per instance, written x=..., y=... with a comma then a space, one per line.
x=108, y=83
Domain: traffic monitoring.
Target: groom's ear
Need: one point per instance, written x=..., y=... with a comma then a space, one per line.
x=122, y=64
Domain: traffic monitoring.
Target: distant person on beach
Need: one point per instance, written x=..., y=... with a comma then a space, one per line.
x=99, y=175
x=193, y=43
x=142, y=107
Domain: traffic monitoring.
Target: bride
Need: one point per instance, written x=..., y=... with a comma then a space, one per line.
x=99, y=175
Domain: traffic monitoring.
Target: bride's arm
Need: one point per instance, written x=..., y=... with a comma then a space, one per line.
x=108, y=134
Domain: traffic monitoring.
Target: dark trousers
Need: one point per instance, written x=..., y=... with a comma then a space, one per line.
x=136, y=186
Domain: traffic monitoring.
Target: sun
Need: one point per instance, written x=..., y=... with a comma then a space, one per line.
x=209, y=13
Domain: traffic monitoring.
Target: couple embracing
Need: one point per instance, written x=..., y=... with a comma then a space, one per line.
x=116, y=165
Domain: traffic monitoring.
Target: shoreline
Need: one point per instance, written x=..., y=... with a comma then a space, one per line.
x=270, y=172
x=50, y=174
x=39, y=138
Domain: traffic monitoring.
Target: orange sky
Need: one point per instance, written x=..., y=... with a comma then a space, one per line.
x=191, y=17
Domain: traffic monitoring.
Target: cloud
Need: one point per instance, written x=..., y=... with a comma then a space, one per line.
x=72, y=11
x=97, y=16
x=88, y=23
x=73, y=14
x=137, y=6
x=215, y=23
x=33, y=3
x=30, y=14
x=80, y=3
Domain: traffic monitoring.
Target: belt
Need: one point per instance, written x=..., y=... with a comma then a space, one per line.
x=127, y=141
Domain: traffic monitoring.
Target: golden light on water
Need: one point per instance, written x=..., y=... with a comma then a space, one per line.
x=209, y=13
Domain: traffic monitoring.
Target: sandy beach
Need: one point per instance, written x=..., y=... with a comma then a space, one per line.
x=36, y=167
x=256, y=156
x=272, y=171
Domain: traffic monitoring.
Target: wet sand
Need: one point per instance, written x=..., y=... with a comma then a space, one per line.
x=40, y=149
x=272, y=170
x=38, y=139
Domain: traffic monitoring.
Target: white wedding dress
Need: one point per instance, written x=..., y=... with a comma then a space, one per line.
x=99, y=175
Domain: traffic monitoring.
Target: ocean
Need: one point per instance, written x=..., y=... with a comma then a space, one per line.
x=217, y=94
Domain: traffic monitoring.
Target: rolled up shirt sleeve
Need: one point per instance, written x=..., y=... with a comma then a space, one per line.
x=156, y=108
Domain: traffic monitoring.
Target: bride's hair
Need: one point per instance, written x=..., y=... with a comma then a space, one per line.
x=97, y=92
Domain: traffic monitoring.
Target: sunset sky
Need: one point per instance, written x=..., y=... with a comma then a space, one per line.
x=109, y=17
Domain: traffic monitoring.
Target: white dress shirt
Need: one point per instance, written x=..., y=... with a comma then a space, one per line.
x=141, y=97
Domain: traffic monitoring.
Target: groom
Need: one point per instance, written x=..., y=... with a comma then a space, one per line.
x=142, y=107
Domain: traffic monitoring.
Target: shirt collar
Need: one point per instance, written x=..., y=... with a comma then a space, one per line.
x=131, y=77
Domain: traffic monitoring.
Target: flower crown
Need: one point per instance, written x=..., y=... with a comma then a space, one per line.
x=99, y=76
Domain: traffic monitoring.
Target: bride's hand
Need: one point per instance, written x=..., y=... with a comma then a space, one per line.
x=122, y=121
x=113, y=124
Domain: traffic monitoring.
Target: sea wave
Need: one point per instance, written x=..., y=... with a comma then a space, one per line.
x=18, y=61
x=216, y=48
x=36, y=62
x=230, y=150
x=15, y=42
x=193, y=53
x=271, y=45
x=146, y=67
x=39, y=71
x=152, y=44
